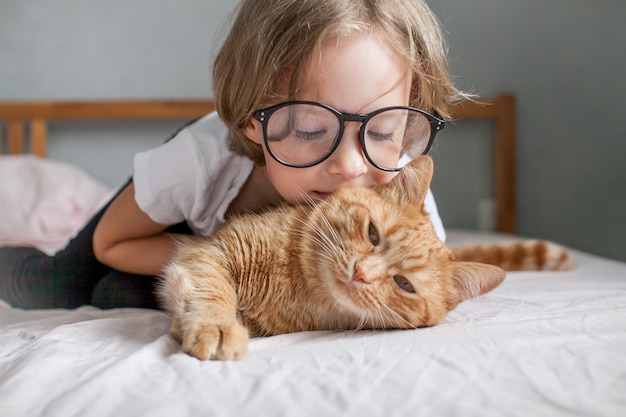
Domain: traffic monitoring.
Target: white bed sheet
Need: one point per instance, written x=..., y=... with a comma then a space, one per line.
x=541, y=344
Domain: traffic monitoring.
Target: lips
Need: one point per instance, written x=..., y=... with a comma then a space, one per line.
x=320, y=195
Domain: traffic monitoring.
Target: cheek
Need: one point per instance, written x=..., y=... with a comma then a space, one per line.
x=290, y=183
x=277, y=178
x=382, y=177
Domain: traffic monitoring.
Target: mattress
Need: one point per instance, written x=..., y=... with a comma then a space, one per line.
x=541, y=344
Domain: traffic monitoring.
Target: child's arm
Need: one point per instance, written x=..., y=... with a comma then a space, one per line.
x=127, y=239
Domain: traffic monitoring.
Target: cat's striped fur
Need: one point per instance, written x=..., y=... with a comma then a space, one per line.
x=365, y=258
x=528, y=255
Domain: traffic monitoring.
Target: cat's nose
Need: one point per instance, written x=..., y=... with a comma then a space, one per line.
x=359, y=275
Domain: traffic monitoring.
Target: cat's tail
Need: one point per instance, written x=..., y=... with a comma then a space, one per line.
x=527, y=255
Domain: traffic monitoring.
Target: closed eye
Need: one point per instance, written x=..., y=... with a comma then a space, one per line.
x=311, y=135
x=403, y=283
x=379, y=136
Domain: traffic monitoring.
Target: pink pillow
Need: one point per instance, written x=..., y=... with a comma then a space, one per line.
x=44, y=203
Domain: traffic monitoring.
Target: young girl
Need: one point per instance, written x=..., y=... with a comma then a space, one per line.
x=312, y=96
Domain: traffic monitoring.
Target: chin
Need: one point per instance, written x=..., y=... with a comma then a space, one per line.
x=344, y=294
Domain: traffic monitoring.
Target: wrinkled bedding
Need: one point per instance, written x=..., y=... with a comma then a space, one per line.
x=541, y=344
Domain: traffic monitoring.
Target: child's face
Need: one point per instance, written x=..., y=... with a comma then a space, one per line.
x=357, y=74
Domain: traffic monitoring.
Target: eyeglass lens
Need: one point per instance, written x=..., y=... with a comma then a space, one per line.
x=304, y=134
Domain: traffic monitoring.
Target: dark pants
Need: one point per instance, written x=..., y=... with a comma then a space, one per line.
x=72, y=277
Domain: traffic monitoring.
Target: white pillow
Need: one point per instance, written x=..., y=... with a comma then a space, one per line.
x=44, y=203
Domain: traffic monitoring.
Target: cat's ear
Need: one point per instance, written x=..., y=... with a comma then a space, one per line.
x=473, y=279
x=413, y=180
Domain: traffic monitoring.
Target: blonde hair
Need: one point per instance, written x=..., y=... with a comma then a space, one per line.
x=271, y=43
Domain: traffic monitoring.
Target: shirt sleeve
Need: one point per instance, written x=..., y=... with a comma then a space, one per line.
x=431, y=209
x=166, y=179
x=194, y=177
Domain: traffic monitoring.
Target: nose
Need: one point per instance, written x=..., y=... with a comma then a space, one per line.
x=348, y=160
x=359, y=275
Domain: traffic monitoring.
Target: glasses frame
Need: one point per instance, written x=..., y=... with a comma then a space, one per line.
x=263, y=115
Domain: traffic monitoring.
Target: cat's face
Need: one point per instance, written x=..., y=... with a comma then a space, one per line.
x=379, y=258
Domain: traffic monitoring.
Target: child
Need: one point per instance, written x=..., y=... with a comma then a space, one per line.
x=311, y=97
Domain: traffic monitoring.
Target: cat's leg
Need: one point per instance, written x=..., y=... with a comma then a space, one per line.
x=208, y=335
x=203, y=302
x=176, y=330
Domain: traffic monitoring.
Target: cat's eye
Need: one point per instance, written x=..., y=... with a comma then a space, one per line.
x=403, y=283
x=372, y=233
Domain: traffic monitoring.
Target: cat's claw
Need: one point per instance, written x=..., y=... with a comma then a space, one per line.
x=217, y=341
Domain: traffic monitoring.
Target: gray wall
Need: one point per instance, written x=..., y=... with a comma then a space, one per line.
x=566, y=62
x=107, y=49
x=564, y=59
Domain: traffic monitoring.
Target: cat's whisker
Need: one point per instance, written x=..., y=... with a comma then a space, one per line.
x=336, y=247
x=314, y=204
x=396, y=315
x=305, y=233
x=332, y=248
x=307, y=198
x=333, y=232
x=363, y=319
x=359, y=324
x=323, y=241
x=329, y=226
x=382, y=318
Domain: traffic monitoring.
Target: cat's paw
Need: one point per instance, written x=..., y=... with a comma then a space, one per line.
x=210, y=339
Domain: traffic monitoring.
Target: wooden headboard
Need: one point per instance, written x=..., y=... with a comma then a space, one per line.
x=26, y=123
x=24, y=126
x=501, y=110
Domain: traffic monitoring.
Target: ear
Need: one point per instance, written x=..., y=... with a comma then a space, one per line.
x=254, y=131
x=473, y=279
x=412, y=182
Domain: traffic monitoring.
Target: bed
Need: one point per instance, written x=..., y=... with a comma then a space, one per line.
x=541, y=344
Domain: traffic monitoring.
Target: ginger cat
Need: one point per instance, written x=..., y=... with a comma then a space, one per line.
x=365, y=258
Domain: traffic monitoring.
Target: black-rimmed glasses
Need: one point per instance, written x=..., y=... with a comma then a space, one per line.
x=301, y=134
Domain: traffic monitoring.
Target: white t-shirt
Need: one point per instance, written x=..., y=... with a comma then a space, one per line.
x=195, y=176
